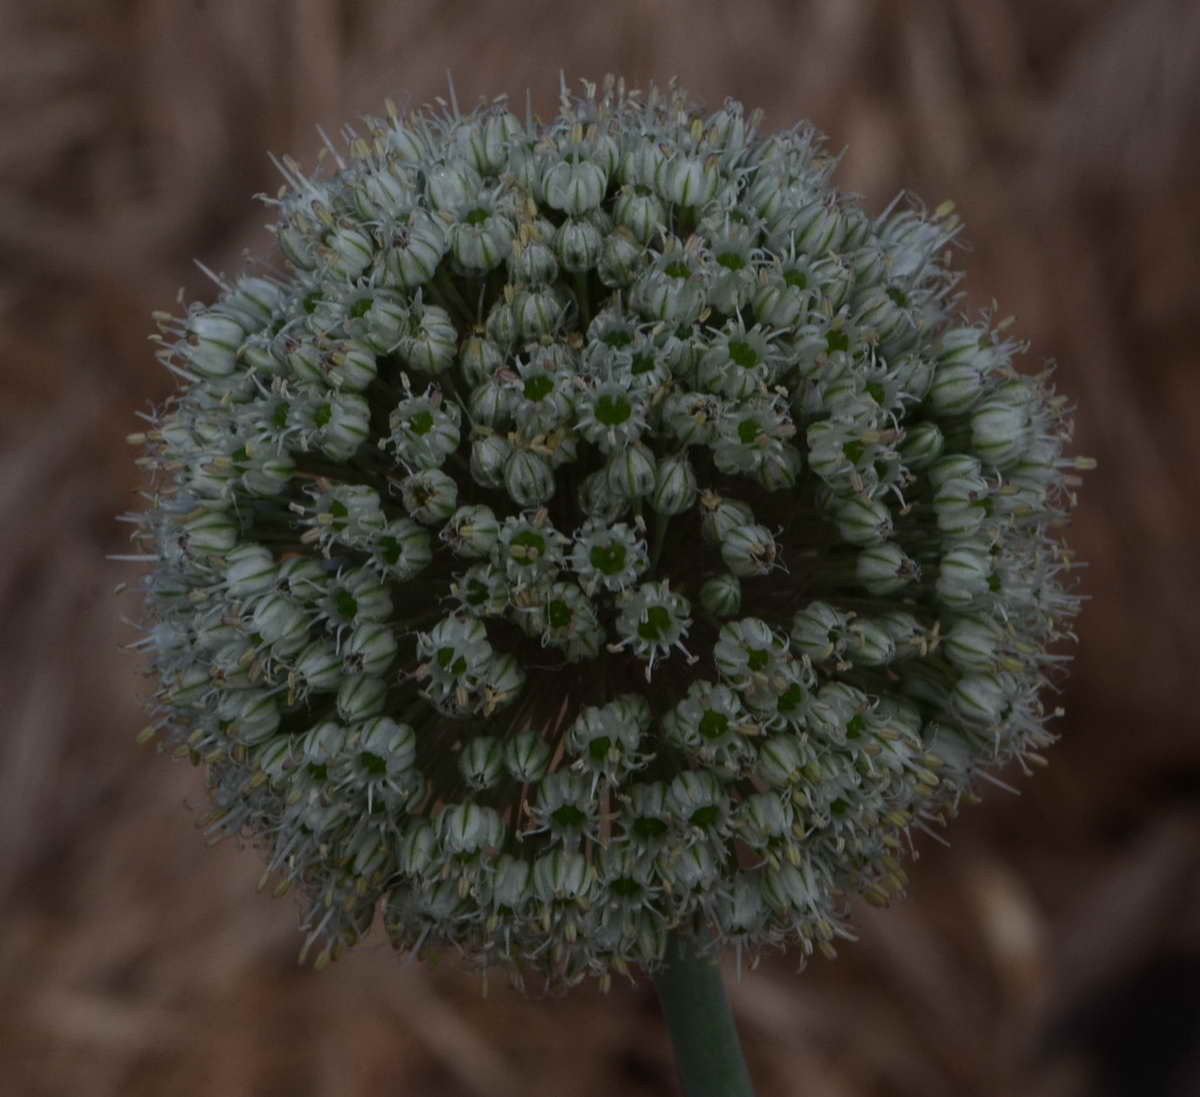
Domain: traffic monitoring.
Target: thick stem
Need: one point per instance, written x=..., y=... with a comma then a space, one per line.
x=708, y=1054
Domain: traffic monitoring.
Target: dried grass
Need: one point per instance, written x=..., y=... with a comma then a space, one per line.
x=135, y=962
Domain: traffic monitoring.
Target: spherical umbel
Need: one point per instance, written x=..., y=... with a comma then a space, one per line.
x=601, y=529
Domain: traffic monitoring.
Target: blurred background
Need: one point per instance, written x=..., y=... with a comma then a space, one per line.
x=1052, y=950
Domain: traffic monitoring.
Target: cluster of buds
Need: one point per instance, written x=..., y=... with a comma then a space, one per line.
x=603, y=529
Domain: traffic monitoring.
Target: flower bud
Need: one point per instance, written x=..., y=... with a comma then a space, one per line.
x=211, y=532
x=922, y=446
x=482, y=240
x=451, y=188
x=863, y=521
x=675, y=487
x=973, y=645
x=641, y=212
x=780, y=468
x=479, y=359
x=884, y=569
x=486, y=143
x=1000, y=431
x=249, y=570
x=348, y=250
x=511, y=888
x=414, y=250
x=430, y=496
x=749, y=550
x=526, y=757
x=343, y=424
x=961, y=505
x=819, y=631
x=722, y=595
x=688, y=181
x=786, y=890
x=620, y=259
x=360, y=696
x=279, y=619
x=869, y=645
x=532, y=263
x=472, y=531
x=764, y=816
x=417, y=848
x=722, y=516
x=980, y=699
x=578, y=244
x=563, y=876
x=528, y=478
x=370, y=649
x=574, y=187
x=780, y=761
x=632, y=474
x=468, y=828
x=212, y=344
x=957, y=387
x=432, y=343
x=256, y=717
x=318, y=667
x=963, y=575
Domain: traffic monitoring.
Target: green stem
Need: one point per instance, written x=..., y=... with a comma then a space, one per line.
x=660, y=534
x=443, y=285
x=583, y=299
x=707, y=1052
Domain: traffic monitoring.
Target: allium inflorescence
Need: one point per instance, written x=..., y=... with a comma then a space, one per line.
x=596, y=530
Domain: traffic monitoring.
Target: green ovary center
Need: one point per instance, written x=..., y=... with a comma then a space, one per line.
x=538, y=388
x=647, y=826
x=744, y=355
x=609, y=559
x=612, y=411
x=569, y=816
x=748, y=430
x=658, y=621
x=791, y=698
x=446, y=660
x=713, y=724
x=373, y=764
x=532, y=546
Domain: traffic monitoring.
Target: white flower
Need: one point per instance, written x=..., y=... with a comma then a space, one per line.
x=435, y=501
